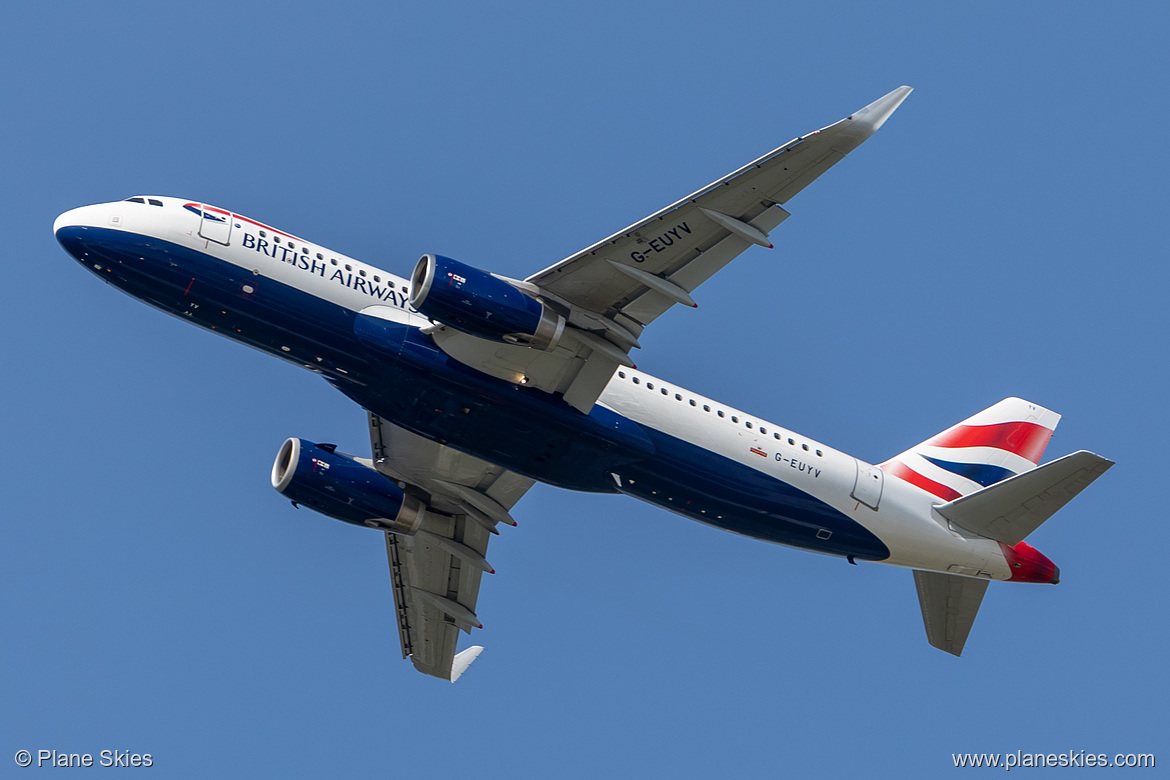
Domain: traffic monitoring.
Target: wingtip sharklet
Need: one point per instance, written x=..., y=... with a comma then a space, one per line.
x=463, y=660
x=876, y=113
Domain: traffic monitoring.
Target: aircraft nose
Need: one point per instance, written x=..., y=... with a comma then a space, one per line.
x=97, y=215
x=73, y=229
x=70, y=218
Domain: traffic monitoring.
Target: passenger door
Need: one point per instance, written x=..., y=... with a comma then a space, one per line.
x=215, y=224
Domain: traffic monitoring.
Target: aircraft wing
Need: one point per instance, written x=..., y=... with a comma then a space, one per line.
x=949, y=606
x=435, y=574
x=609, y=292
x=638, y=273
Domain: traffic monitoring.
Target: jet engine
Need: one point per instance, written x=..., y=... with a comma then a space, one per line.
x=343, y=488
x=480, y=304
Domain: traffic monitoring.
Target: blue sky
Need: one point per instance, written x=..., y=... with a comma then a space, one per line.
x=1002, y=235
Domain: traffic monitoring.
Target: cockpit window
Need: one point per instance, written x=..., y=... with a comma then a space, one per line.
x=136, y=200
x=154, y=201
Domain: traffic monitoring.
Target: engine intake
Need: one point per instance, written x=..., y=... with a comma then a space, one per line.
x=479, y=304
x=344, y=489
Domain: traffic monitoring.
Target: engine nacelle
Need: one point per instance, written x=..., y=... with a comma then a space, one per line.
x=475, y=302
x=341, y=488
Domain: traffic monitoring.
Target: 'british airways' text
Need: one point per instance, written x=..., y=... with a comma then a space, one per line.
x=285, y=254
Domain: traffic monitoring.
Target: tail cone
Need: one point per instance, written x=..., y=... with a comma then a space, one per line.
x=1029, y=564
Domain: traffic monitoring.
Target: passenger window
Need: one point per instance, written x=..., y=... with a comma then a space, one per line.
x=763, y=430
x=333, y=260
x=649, y=385
x=636, y=381
x=720, y=412
x=804, y=447
x=693, y=402
x=304, y=250
x=319, y=257
x=820, y=454
x=263, y=234
x=734, y=418
x=276, y=239
x=377, y=278
x=348, y=267
x=792, y=442
x=664, y=392
x=776, y=436
x=621, y=374
x=748, y=424
x=706, y=408
x=362, y=272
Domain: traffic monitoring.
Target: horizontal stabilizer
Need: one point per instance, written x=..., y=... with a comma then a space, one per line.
x=949, y=606
x=1010, y=510
x=463, y=660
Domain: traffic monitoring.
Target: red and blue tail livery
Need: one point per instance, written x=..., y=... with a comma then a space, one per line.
x=475, y=386
x=1000, y=442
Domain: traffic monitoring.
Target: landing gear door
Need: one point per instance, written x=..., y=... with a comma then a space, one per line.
x=868, y=487
x=215, y=224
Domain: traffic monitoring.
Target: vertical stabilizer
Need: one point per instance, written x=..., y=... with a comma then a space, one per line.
x=1000, y=442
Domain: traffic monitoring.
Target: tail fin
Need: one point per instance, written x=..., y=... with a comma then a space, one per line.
x=1000, y=442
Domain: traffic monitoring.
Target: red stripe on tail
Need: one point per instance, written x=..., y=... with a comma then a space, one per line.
x=1025, y=439
x=904, y=472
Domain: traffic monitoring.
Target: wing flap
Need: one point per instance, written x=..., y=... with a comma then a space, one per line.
x=949, y=605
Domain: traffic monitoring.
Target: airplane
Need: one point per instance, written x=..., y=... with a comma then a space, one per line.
x=476, y=386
